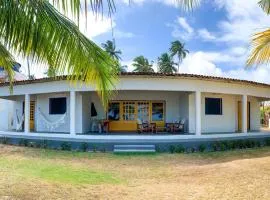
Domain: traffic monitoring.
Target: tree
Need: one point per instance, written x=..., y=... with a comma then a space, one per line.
x=142, y=64
x=51, y=72
x=260, y=52
x=178, y=49
x=36, y=29
x=166, y=64
x=110, y=48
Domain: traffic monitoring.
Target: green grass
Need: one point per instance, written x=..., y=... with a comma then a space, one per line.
x=48, y=170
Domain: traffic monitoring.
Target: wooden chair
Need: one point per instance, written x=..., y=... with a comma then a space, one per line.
x=142, y=127
x=180, y=126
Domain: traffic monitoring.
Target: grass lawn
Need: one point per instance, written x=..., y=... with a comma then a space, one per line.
x=27, y=173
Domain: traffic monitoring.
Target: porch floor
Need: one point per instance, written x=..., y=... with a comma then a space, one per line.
x=136, y=138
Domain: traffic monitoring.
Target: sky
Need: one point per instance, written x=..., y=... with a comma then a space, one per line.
x=217, y=34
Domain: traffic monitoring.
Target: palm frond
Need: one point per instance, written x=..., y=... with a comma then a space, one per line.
x=265, y=5
x=7, y=62
x=188, y=5
x=41, y=32
x=260, y=53
x=75, y=7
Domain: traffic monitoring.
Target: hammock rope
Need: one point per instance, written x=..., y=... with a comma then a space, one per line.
x=52, y=125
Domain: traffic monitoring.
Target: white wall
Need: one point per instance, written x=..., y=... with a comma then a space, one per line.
x=228, y=121
x=6, y=114
x=171, y=98
x=42, y=102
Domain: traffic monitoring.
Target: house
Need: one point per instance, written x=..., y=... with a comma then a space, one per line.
x=6, y=107
x=54, y=107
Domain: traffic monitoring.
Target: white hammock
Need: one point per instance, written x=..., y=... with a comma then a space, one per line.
x=19, y=121
x=51, y=125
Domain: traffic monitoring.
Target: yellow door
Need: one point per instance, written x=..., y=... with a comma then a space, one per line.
x=123, y=115
x=32, y=115
x=240, y=116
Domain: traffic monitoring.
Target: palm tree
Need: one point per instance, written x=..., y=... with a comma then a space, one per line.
x=110, y=48
x=36, y=29
x=142, y=64
x=260, y=53
x=178, y=49
x=166, y=64
x=51, y=72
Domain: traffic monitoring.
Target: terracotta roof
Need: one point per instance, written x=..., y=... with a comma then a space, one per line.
x=148, y=74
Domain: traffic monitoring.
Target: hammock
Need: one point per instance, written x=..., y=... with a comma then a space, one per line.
x=19, y=121
x=51, y=125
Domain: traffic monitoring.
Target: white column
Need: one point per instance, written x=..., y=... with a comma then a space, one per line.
x=198, y=112
x=244, y=113
x=72, y=113
x=27, y=114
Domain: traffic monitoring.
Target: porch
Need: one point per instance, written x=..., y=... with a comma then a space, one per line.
x=77, y=114
x=120, y=138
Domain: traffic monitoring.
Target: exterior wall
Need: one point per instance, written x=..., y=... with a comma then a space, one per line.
x=42, y=103
x=228, y=121
x=6, y=114
x=179, y=103
x=172, y=109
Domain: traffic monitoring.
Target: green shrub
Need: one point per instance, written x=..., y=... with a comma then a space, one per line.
x=4, y=140
x=94, y=148
x=23, y=142
x=202, y=147
x=172, y=149
x=43, y=144
x=215, y=146
x=258, y=144
x=230, y=145
x=66, y=146
x=193, y=149
x=158, y=149
x=84, y=147
x=180, y=149
x=267, y=142
x=32, y=144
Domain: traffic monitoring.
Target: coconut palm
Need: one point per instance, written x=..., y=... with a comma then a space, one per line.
x=40, y=30
x=142, y=64
x=260, y=53
x=178, y=49
x=110, y=48
x=166, y=64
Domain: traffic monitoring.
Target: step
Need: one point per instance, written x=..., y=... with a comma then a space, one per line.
x=134, y=148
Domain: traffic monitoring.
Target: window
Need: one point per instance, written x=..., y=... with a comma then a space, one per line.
x=113, y=111
x=213, y=106
x=57, y=105
x=157, y=112
x=143, y=111
x=129, y=111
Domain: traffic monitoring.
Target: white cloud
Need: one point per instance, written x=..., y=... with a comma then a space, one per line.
x=206, y=35
x=181, y=29
x=122, y=34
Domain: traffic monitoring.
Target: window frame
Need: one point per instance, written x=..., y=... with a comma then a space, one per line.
x=207, y=111
x=50, y=106
x=163, y=109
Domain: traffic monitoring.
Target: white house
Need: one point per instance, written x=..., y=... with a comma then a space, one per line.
x=205, y=104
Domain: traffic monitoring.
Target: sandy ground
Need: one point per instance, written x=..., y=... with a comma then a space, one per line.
x=225, y=175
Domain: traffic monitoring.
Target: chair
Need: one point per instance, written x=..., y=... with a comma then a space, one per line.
x=180, y=126
x=142, y=127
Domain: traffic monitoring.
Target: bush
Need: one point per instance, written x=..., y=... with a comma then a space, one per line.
x=65, y=146
x=172, y=149
x=215, y=146
x=267, y=142
x=84, y=147
x=258, y=144
x=23, y=142
x=4, y=140
x=202, y=148
x=179, y=149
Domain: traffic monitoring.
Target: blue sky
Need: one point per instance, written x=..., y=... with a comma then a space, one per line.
x=217, y=34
